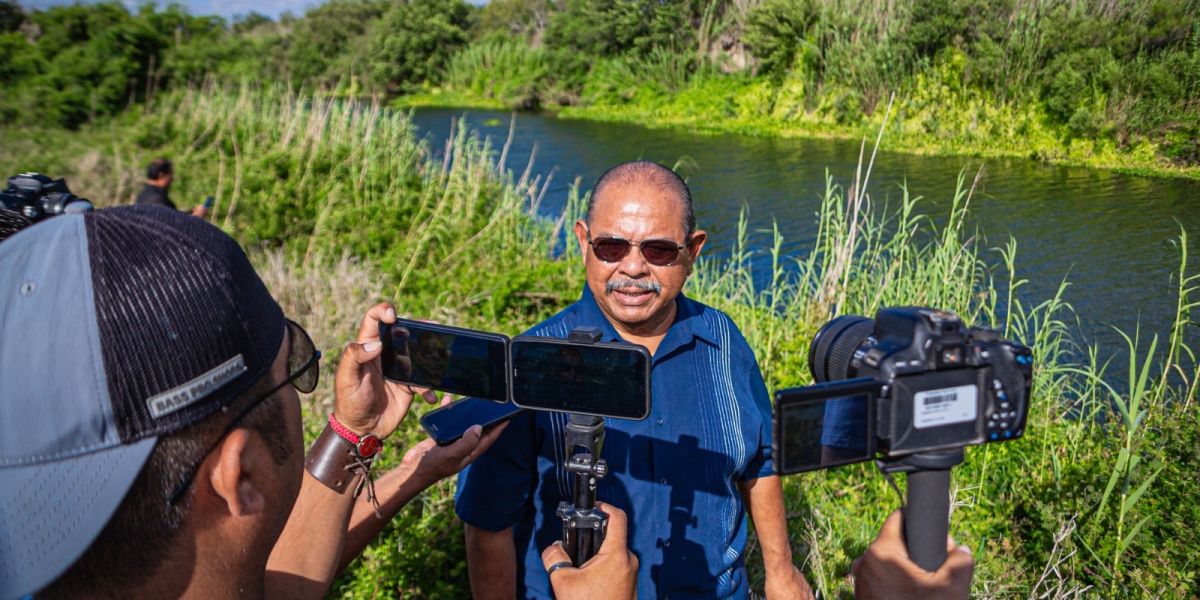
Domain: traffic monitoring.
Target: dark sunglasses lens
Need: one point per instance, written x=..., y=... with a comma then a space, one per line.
x=303, y=355
x=610, y=249
x=659, y=253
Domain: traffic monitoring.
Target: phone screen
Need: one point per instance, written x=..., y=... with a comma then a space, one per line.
x=611, y=380
x=825, y=425
x=450, y=359
x=448, y=423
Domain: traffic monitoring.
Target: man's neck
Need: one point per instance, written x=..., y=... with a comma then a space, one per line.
x=649, y=334
x=230, y=573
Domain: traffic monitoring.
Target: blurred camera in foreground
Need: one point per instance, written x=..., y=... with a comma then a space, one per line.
x=36, y=197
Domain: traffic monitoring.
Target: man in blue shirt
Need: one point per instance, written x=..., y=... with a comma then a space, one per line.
x=686, y=475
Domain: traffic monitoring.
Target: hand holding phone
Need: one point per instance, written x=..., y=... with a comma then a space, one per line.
x=363, y=400
x=447, y=424
x=429, y=462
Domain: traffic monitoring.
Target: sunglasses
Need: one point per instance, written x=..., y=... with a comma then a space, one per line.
x=303, y=364
x=660, y=253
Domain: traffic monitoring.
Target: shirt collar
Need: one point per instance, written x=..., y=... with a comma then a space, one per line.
x=689, y=323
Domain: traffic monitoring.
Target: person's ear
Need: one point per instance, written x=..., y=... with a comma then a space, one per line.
x=236, y=476
x=694, y=244
x=581, y=234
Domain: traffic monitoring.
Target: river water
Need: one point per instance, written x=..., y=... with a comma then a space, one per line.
x=1113, y=236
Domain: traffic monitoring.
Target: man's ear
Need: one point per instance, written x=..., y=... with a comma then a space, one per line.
x=695, y=243
x=236, y=475
x=581, y=234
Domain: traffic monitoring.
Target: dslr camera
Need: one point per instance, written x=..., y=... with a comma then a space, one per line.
x=36, y=197
x=913, y=382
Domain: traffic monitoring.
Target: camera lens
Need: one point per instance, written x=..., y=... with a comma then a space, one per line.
x=834, y=345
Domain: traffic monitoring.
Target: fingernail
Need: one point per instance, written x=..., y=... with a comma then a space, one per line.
x=966, y=549
x=478, y=429
x=372, y=346
x=389, y=314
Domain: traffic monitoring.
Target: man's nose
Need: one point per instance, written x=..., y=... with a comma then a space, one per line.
x=634, y=264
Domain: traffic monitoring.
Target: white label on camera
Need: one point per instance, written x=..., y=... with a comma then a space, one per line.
x=945, y=406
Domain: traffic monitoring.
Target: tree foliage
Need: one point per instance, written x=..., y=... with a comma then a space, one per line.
x=1119, y=72
x=414, y=40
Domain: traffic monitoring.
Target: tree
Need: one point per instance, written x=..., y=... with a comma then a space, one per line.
x=322, y=47
x=11, y=17
x=414, y=40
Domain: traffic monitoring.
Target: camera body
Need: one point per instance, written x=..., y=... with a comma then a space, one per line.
x=912, y=380
x=36, y=197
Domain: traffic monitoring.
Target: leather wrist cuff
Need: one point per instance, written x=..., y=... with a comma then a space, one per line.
x=332, y=460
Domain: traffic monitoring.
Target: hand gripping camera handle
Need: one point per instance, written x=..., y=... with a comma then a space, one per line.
x=584, y=534
x=927, y=518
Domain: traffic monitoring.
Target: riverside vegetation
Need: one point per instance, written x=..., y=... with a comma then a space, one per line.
x=1090, y=82
x=341, y=204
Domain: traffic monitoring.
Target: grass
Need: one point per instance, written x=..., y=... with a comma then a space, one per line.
x=341, y=204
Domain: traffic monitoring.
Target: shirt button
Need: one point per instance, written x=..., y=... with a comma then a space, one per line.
x=659, y=421
x=667, y=544
x=663, y=481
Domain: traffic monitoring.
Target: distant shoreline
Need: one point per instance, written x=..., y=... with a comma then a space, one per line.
x=1124, y=163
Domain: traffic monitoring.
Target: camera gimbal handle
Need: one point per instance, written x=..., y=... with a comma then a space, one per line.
x=927, y=511
x=584, y=526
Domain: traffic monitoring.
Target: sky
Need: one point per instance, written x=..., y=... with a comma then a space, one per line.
x=224, y=8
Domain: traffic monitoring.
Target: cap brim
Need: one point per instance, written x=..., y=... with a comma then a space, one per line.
x=50, y=513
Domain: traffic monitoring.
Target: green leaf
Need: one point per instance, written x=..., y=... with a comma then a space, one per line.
x=1137, y=493
x=1124, y=545
x=1117, y=472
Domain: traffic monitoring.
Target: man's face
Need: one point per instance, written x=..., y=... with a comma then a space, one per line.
x=635, y=295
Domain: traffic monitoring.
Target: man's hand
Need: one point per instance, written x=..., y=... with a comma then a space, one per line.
x=610, y=574
x=364, y=401
x=787, y=584
x=886, y=571
x=200, y=211
x=429, y=462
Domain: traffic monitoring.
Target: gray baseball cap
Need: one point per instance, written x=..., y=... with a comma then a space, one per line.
x=116, y=327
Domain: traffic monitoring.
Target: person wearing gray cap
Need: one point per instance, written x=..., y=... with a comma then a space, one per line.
x=150, y=427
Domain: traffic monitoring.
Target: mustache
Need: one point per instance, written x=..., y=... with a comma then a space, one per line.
x=641, y=284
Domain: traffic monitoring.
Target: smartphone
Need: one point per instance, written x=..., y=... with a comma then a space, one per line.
x=603, y=379
x=450, y=359
x=448, y=423
x=825, y=425
x=208, y=202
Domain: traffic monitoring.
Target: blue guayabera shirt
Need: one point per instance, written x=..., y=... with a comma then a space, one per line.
x=674, y=473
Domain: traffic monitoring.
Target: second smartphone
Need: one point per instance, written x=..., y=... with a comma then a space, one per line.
x=448, y=423
x=459, y=361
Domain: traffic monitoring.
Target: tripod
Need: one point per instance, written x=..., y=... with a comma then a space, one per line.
x=927, y=511
x=584, y=525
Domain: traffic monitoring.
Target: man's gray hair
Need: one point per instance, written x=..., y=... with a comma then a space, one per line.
x=645, y=172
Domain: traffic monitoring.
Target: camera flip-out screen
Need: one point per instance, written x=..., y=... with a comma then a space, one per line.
x=604, y=379
x=825, y=425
